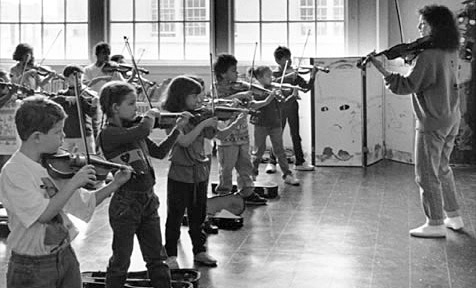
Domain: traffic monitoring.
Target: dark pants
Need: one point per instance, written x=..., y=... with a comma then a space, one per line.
x=181, y=195
x=60, y=269
x=133, y=213
x=290, y=113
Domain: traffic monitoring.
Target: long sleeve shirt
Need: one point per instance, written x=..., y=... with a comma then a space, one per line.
x=433, y=82
x=131, y=146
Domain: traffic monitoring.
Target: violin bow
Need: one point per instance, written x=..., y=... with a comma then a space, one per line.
x=51, y=46
x=399, y=18
x=253, y=66
x=24, y=69
x=134, y=64
x=303, y=49
x=214, y=91
x=77, y=93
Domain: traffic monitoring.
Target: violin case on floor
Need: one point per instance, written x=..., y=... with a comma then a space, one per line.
x=181, y=278
x=224, y=211
x=267, y=189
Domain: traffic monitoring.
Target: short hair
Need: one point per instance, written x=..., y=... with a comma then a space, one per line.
x=37, y=113
x=71, y=68
x=177, y=92
x=444, y=31
x=101, y=46
x=117, y=58
x=259, y=71
x=223, y=63
x=113, y=92
x=281, y=52
x=21, y=50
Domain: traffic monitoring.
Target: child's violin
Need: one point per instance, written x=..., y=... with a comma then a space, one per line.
x=15, y=88
x=222, y=113
x=65, y=165
x=407, y=51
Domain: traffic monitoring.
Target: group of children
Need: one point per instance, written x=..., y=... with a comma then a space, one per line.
x=36, y=203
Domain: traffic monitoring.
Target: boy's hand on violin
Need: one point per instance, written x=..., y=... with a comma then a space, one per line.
x=85, y=175
x=122, y=176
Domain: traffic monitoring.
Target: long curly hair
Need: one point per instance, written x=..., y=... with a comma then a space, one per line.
x=444, y=30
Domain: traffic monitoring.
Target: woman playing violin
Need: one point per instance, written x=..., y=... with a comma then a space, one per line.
x=26, y=72
x=432, y=80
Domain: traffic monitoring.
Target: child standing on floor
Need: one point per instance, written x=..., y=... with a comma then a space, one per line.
x=188, y=173
x=133, y=209
x=268, y=123
x=290, y=108
x=36, y=204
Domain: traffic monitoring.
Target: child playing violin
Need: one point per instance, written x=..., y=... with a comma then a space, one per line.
x=73, y=141
x=290, y=108
x=233, y=143
x=188, y=173
x=268, y=123
x=37, y=207
x=133, y=208
x=6, y=97
x=25, y=72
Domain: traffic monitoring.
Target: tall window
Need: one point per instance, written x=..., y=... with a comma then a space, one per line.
x=161, y=29
x=56, y=29
x=289, y=22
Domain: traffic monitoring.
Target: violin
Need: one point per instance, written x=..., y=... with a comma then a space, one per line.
x=241, y=86
x=16, y=88
x=407, y=51
x=111, y=66
x=287, y=86
x=45, y=71
x=222, y=113
x=302, y=70
x=65, y=165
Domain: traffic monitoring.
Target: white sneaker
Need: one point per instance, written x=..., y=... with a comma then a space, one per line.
x=205, y=259
x=291, y=180
x=429, y=231
x=455, y=223
x=172, y=262
x=270, y=168
x=304, y=167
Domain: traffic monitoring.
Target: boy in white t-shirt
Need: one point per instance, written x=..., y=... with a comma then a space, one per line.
x=36, y=204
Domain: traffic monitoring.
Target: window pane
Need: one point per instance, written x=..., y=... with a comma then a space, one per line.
x=330, y=38
x=297, y=39
x=302, y=10
x=147, y=41
x=198, y=45
x=145, y=9
x=53, y=46
x=53, y=11
x=247, y=10
x=274, y=10
x=31, y=34
x=116, y=40
x=10, y=38
x=76, y=10
x=171, y=10
x=172, y=46
x=338, y=10
x=77, y=41
x=273, y=36
x=121, y=10
x=197, y=10
x=9, y=11
x=30, y=11
x=246, y=35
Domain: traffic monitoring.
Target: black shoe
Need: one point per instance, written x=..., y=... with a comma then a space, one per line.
x=209, y=227
x=255, y=199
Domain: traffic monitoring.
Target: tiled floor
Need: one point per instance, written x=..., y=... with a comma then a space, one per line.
x=342, y=228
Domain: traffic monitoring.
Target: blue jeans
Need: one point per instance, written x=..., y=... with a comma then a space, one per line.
x=433, y=173
x=276, y=136
x=190, y=196
x=58, y=270
x=135, y=213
